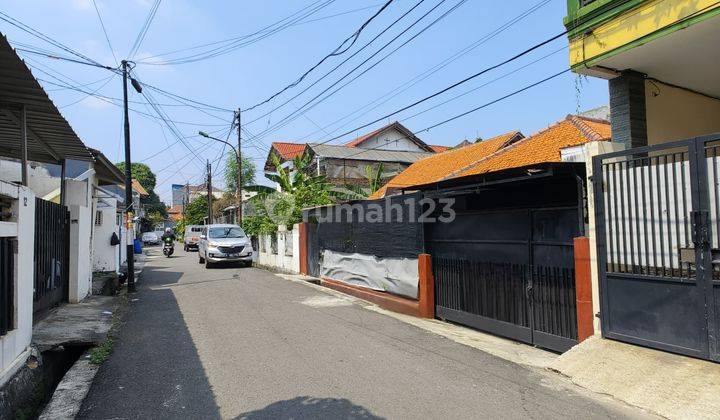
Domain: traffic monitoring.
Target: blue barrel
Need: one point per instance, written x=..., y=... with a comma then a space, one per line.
x=138, y=246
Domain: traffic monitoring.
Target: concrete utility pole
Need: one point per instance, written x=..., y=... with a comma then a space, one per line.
x=128, y=185
x=209, y=192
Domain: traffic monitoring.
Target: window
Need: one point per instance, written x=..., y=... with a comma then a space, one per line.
x=98, y=218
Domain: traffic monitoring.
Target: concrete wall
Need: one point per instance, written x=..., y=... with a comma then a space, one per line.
x=676, y=114
x=105, y=255
x=594, y=149
x=80, y=261
x=287, y=258
x=14, y=345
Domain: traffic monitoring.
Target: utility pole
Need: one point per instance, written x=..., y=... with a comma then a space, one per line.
x=209, y=192
x=128, y=186
x=239, y=170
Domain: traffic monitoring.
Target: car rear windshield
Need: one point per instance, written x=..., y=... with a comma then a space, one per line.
x=226, y=232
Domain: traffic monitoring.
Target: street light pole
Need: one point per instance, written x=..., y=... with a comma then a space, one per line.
x=238, y=154
x=238, y=161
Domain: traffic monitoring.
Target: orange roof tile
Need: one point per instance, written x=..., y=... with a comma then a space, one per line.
x=439, y=166
x=287, y=150
x=439, y=149
x=543, y=146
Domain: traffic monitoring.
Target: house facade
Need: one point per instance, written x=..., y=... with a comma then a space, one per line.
x=393, y=146
x=654, y=189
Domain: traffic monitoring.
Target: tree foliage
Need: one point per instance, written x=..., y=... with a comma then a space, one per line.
x=248, y=172
x=142, y=173
x=306, y=190
x=196, y=211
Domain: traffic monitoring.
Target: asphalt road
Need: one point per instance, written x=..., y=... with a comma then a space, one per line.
x=243, y=343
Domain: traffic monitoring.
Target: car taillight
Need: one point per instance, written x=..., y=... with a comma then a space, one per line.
x=193, y=238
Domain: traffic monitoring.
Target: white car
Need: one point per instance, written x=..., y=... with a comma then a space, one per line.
x=150, y=238
x=224, y=243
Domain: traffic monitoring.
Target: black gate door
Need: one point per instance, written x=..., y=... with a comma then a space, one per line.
x=510, y=273
x=52, y=240
x=658, y=235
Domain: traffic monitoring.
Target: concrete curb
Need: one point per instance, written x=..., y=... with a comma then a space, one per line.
x=71, y=391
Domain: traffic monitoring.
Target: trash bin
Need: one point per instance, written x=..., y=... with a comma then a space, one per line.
x=137, y=246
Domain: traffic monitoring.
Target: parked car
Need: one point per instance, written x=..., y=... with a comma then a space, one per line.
x=192, y=236
x=150, y=238
x=224, y=243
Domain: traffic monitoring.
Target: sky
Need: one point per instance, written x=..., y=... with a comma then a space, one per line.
x=471, y=37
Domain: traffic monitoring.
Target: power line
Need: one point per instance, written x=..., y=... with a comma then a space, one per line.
x=293, y=115
x=470, y=111
x=107, y=38
x=235, y=43
x=144, y=29
x=34, y=32
x=341, y=63
x=452, y=86
x=337, y=51
x=429, y=72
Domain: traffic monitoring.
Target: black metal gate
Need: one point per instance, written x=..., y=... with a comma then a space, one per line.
x=52, y=244
x=658, y=235
x=7, y=280
x=509, y=272
x=313, y=250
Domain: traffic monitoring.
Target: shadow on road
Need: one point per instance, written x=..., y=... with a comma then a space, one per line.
x=310, y=408
x=154, y=370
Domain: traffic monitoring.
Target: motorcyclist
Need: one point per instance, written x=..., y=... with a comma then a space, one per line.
x=168, y=234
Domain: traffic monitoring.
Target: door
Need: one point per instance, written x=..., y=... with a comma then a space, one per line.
x=658, y=237
x=52, y=245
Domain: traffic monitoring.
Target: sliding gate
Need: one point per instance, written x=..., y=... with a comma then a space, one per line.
x=658, y=236
x=510, y=273
x=52, y=239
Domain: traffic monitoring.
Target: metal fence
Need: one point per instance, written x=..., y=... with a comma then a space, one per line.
x=7, y=294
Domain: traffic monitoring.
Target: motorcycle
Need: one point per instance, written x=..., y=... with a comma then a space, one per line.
x=168, y=247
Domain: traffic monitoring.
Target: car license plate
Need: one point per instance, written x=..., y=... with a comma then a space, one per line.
x=233, y=255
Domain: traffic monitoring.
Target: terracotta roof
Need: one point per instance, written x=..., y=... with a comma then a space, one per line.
x=139, y=188
x=543, y=146
x=439, y=149
x=175, y=209
x=439, y=166
x=288, y=151
x=397, y=126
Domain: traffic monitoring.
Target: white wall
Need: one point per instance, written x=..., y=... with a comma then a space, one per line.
x=390, y=140
x=80, y=261
x=286, y=244
x=105, y=255
x=14, y=345
x=593, y=149
x=677, y=114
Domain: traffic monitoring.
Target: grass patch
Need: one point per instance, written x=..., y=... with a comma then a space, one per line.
x=100, y=353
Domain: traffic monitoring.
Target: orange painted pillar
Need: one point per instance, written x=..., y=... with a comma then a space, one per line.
x=426, y=287
x=583, y=288
x=303, y=248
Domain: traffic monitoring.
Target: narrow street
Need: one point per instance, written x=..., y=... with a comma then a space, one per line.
x=242, y=342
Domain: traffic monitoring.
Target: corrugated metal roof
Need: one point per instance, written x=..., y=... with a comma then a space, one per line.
x=50, y=137
x=375, y=155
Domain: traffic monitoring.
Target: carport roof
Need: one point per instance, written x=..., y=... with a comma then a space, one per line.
x=50, y=137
